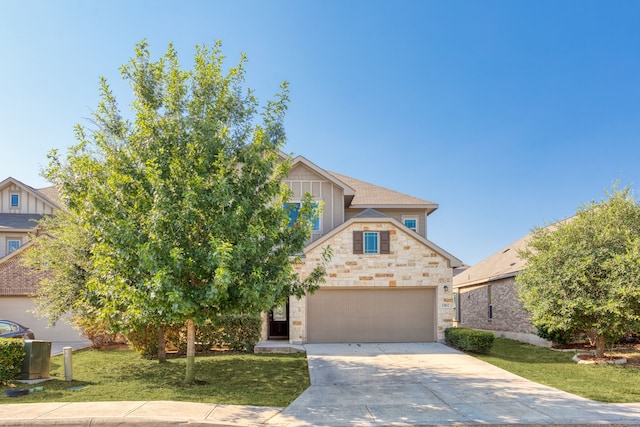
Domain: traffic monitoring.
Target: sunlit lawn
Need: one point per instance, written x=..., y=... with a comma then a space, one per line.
x=240, y=379
x=605, y=383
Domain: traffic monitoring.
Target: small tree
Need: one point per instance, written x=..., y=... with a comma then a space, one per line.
x=62, y=250
x=583, y=274
x=184, y=204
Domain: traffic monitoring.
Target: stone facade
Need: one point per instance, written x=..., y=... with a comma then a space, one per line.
x=411, y=263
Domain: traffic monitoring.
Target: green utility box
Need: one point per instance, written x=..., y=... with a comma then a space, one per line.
x=36, y=360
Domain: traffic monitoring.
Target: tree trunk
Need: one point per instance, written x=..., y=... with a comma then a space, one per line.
x=600, y=345
x=190, y=377
x=162, y=348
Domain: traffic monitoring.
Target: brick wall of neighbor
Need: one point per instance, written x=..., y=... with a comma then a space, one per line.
x=410, y=264
x=508, y=313
x=16, y=279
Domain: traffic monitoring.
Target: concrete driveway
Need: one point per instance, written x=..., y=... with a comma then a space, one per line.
x=430, y=384
x=57, y=347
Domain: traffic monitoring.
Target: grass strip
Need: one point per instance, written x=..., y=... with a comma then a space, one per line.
x=122, y=375
x=604, y=383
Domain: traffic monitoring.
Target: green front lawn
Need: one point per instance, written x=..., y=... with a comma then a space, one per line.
x=604, y=383
x=235, y=379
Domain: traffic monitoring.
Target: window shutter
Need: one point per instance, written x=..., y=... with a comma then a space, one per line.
x=358, y=246
x=385, y=242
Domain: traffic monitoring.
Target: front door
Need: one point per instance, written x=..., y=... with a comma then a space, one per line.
x=279, y=321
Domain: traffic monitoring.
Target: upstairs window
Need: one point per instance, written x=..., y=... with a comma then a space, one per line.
x=12, y=245
x=371, y=242
x=411, y=222
x=293, y=210
x=15, y=201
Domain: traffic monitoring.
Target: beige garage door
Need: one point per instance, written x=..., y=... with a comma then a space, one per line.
x=371, y=315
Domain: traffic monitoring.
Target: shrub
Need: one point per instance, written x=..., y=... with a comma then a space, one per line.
x=469, y=339
x=144, y=340
x=238, y=332
x=241, y=331
x=557, y=336
x=97, y=331
x=12, y=356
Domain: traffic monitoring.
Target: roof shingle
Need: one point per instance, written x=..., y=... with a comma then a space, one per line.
x=368, y=194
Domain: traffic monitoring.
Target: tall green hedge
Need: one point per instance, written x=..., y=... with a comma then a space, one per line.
x=469, y=339
x=12, y=356
x=238, y=332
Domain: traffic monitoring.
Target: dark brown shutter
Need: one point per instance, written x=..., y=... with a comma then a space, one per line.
x=358, y=246
x=385, y=242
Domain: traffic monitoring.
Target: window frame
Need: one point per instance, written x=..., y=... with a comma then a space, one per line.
x=317, y=224
x=384, y=242
x=16, y=197
x=490, y=312
x=365, y=246
x=9, y=245
x=415, y=218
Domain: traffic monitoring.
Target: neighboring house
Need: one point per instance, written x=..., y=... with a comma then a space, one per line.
x=486, y=297
x=21, y=207
x=385, y=283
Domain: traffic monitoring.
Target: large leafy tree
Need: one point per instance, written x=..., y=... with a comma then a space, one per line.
x=583, y=274
x=182, y=203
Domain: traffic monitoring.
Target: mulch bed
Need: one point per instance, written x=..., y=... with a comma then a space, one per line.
x=629, y=351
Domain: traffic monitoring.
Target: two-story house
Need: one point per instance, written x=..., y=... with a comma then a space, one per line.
x=386, y=281
x=21, y=207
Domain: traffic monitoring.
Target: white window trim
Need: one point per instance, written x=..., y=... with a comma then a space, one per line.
x=299, y=203
x=9, y=241
x=414, y=217
x=364, y=243
x=11, y=200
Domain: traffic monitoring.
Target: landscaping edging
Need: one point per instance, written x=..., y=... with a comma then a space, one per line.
x=600, y=361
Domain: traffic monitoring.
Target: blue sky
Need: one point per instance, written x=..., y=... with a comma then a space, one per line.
x=509, y=114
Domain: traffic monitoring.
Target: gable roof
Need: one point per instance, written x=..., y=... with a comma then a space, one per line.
x=52, y=194
x=370, y=213
x=348, y=190
x=369, y=195
x=361, y=195
x=502, y=264
x=373, y=216
x=48, y=194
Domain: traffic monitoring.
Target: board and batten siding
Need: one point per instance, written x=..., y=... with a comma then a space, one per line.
x=29, y=203
x=302, y=180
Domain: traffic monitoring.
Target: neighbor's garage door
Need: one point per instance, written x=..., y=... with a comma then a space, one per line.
x=19, y=309
x=371, y=315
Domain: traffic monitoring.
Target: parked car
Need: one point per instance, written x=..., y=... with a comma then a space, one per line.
x=9, y=329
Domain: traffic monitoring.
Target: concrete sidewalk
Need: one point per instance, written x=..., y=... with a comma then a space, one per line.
x=153, y=414
x=366, y=385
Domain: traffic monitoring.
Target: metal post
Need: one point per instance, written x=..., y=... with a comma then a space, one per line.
x=68, y=366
